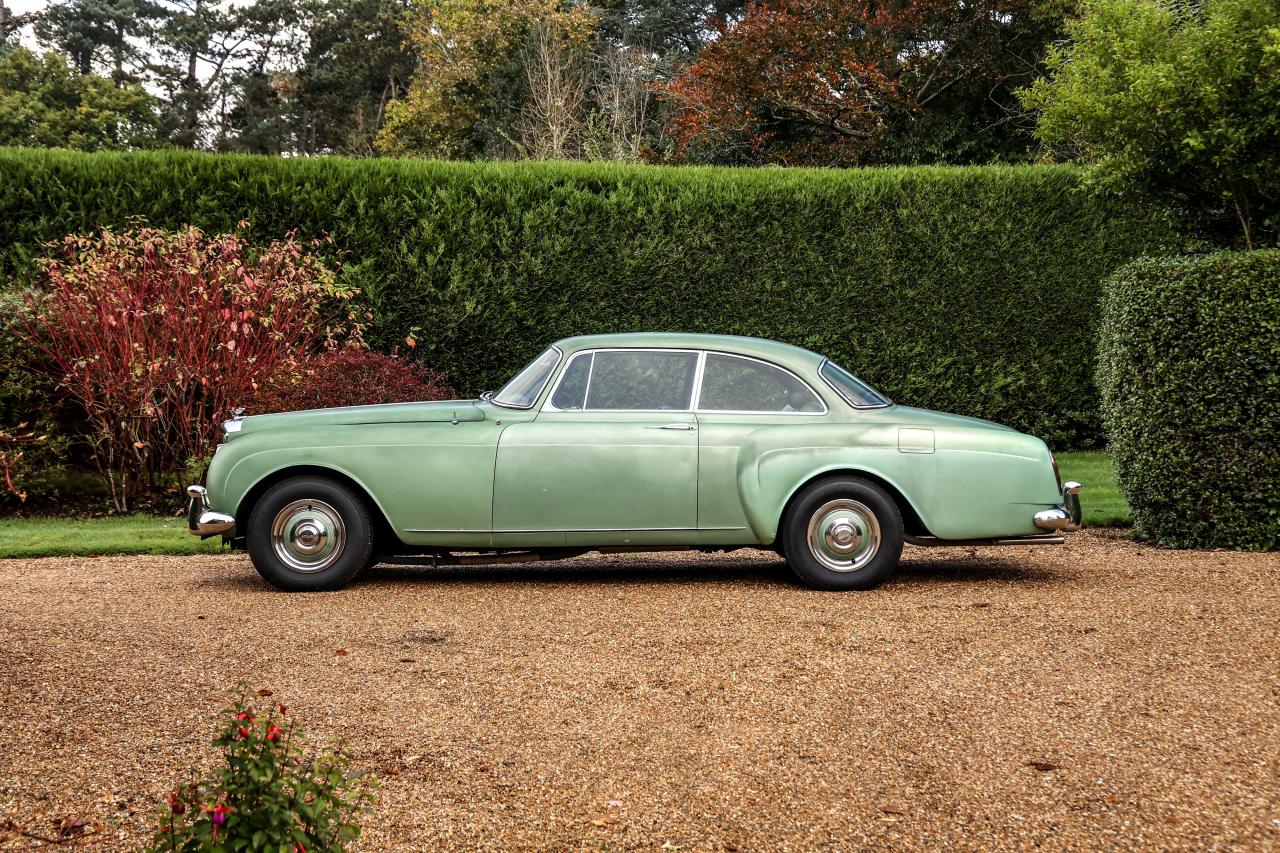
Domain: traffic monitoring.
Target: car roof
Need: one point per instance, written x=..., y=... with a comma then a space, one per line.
x=784, y=354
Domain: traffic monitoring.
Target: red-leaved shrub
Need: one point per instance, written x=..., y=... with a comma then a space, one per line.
x=349, y=377
x=159, y=335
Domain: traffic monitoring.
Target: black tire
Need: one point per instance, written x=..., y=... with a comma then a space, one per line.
x=305, y=513
x=842, y=533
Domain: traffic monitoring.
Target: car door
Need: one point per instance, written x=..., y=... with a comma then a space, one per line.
x=611, y=459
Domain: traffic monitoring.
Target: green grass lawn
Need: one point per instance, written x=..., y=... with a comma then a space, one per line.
x=1100, y=498
x=130, y=534
x=1104, y=506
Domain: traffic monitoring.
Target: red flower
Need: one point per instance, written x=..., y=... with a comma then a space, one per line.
x=244, y=733
x=273, y=733
x=175, y=803
x=217, y=816
x=299, y=847
x=246, y=714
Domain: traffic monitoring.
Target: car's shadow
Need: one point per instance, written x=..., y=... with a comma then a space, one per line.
x=719, y=569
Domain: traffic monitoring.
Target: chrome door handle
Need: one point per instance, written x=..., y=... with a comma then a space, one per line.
x=689, y=427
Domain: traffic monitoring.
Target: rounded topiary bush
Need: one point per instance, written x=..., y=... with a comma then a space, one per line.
x=1189, y=372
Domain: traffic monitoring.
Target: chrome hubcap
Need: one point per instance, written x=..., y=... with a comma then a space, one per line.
x=308, y=536
x=844, y=535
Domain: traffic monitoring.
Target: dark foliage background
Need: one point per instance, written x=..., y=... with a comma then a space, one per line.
x=1189, y=367
x=968, y=289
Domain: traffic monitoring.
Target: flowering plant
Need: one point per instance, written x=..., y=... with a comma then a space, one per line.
x=269, y=794
x=157, y=336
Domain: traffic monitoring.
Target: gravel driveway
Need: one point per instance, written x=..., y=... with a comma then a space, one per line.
x=700, y=702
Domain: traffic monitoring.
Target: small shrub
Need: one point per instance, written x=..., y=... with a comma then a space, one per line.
x=349, y=377
x=1189, y=370
x=269, y=793
x=158, y=335
x=33, y=448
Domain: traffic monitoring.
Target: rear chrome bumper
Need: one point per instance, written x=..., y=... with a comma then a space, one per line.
x=1062, y=518
x=201, y=520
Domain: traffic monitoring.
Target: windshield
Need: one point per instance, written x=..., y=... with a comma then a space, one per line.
x=853, y=389
x=521, y=392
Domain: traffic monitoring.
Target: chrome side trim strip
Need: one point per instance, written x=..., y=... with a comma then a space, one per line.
x=571, y=530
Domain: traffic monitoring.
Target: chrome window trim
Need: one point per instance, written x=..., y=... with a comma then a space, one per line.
x=541, y=388
x=826, y=410
x=548, y=407
x=886, y=404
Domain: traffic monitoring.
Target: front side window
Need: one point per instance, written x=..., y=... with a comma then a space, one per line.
x=731, y=384
x=853, y=389
x=639, y=380
x=523, y=390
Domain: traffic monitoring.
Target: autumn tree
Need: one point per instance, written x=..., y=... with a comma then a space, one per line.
x=821, y=82
x=465, y=98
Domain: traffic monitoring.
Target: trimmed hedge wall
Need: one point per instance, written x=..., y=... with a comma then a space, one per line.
x=972, y=290
x=1189, y=368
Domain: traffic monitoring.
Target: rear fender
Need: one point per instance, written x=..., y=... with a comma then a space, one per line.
x=775, y=463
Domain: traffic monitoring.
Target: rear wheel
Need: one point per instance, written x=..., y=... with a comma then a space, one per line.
x=310, y=533
x=843, y=533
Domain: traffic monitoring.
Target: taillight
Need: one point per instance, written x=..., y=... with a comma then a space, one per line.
x=1057, y=475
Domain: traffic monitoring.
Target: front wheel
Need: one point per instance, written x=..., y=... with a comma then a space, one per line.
x=843, y=533
x=309, y=533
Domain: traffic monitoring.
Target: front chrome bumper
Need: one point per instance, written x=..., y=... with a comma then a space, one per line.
x=1062, y=518
x=201, y=520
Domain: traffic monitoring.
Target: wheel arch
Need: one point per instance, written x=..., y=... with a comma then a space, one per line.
x=912, y=523
x=384, y=533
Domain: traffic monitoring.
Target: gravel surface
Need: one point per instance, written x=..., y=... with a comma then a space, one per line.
x=1099, y=694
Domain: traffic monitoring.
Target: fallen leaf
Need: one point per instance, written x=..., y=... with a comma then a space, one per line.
x=890, y=808
x=1042, y=766
x=730, y=847
x=982, y=604
x=264, y=692
x=69, y=826
x=408, y=660
x=341, y=652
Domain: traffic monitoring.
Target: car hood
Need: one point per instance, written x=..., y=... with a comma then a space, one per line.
x=390, y=413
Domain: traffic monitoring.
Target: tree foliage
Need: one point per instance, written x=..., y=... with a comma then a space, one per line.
x=1174, y=100
x=45, y=103
x=465, y=98
x=824, y=81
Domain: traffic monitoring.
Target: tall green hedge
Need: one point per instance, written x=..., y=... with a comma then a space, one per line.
x=973, y=290
x=1189, y=368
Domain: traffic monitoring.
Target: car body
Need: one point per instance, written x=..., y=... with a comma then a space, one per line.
x=644, y=441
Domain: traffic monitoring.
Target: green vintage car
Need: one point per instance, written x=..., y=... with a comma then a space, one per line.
x=630, y=442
